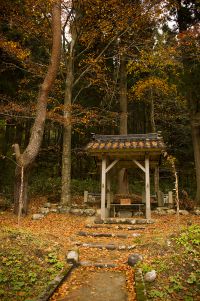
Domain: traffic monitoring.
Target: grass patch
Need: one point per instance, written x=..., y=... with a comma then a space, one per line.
x=27, y=265
x=178, y=269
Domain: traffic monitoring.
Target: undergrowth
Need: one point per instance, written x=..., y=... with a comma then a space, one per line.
x=27, y=265
x=178, y=271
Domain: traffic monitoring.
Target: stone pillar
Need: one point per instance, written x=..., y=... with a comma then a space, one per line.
x=85, y=196
x=160, y=199
x=170, y=199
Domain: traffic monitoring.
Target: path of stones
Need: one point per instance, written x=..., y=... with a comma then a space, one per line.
x=104, y=274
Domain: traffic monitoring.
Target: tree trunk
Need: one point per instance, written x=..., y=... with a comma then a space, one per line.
x=152, y=119
x=192, y=96
x=66, y=161
x=123, y=187
x=24, y=160
x=67, y=129
x=196, y=146
x=21, y=187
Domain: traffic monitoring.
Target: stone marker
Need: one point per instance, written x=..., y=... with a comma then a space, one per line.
x=170, y=199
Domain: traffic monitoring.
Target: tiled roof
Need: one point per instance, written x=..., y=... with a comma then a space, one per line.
x=111, y=143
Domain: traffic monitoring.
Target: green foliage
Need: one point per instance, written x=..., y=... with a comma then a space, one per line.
x=25, y=266
x=190, y=238
x=156, y=293
x=192, y=278
x=41, y=185
x=161, y=265
x=79, y=186
x=175, y=283
x=188, y=298
x=145, y=267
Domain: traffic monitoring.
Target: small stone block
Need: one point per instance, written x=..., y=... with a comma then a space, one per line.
x=37, y=216
x=131, y=247
x=73, y=257
x=47, y=205
x=44, y=210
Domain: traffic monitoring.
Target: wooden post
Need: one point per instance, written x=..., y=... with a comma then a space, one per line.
x=103, y=187
x=108, y=191
x=156, y=185
x=147, y=187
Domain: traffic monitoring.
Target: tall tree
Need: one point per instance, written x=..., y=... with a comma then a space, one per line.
x=69, y=52
x=188, y=18
x=24, y=160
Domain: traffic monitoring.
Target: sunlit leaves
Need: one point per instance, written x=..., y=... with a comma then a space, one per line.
x=160, y=87
x=14, y=49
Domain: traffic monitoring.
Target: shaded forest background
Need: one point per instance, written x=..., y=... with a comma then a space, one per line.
x=159, y=42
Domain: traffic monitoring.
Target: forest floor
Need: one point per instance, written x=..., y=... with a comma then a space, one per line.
x=33, y=252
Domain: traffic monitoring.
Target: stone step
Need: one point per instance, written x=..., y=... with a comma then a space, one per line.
x=97, y=264
x=127, y=221
x=110, y=246
x=119, y=227
x=87, y=234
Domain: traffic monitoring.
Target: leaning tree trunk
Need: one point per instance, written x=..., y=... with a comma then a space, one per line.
x=196, y=146
x=24, y=160
x=122, y=176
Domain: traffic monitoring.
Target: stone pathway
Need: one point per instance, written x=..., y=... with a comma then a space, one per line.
x=96, y=288
x=100, y=250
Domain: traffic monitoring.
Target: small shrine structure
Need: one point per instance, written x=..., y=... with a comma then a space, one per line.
x=125, y=151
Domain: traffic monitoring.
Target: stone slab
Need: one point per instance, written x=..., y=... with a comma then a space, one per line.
x=100, y=286
x=126, y=221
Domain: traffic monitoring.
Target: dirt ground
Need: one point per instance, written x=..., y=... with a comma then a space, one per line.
x=154, y=242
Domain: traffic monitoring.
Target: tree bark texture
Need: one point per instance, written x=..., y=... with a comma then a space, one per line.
x=26, y=158
x=196, y=146
x=67, y=129
x=186, y=20
x=123, y=187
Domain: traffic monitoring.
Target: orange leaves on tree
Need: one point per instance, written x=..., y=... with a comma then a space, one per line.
x=159, y=86
x=14, y=49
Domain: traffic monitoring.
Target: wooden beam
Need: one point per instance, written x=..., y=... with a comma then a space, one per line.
x=103, y=188
x=111, y=165
x=139, y=165
x=147, y=188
